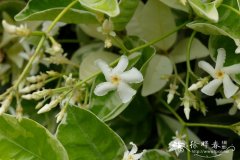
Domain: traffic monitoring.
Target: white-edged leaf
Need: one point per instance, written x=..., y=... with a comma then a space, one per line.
x=109, y=7
x=206, y=10
x=176, y=4
x=151, y=21
x=198, y=50
x=154, y=80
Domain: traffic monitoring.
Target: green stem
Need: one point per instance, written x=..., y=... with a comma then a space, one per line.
x=231, y=8
x=189, y=70
x=61, y=15
x=173, y=112
x=27, y=68
x=158, y=39
x=208, y=125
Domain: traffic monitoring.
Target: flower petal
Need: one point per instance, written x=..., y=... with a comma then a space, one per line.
x=220, y=59
x=132, y=76
x=103, y=88
x=211, y=87
x=222, y=101
x=121, y=66
x=207, y=67
x=229, y=88
x=137, y=156
x=233, y=69
x=134, y=148
x=125, y=92
x=104, y=68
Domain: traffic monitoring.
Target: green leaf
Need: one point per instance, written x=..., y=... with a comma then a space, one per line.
x=153, y=20
x=49, y=10
x=127, y=9
x=135, y=119
x=28, y=140
x=228, y=24
x=176, y=4
x=198, y=50
x=155, y=154
x=110, y=8
x=154, y=80
x=86, y=137
x=109, y=106
x=206, y=10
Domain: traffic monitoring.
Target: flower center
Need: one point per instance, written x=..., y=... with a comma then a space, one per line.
x=115, y=79
x=130, y=157
x=219, y=74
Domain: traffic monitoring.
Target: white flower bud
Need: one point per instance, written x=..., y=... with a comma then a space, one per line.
x=61, y=115
x=187, y=110
x=22, y=30
x=6, y=104
x=52, y=73
x=35, y=79
x=171, y=92
x=52, y=104
x=55, y=49
x=32, y=87
x=37, y=95
x=198, y=85
x=9, y=27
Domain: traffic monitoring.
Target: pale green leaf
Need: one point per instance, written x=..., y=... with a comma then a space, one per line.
x=154, y=80
x=151, y=21
x=127, y=9
x=85, y=137
x=198, y=50
x=49, y=10
x=109, y=7
x=206, y=10
x=88, y=66
x=27, y=140
x=176, y=4
x=155, y=154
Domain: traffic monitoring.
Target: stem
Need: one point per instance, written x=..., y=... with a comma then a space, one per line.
x=231, y=8
x=208, y=125
x=61, y=15
x=27, y=68
x=188, y=59
x=158, y=39
x=173, y=112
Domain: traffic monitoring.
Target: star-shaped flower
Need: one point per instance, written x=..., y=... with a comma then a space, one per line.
x=234, y=99
x=132, y=154
x=118, y=80
x=177, y=144
x=221, y=75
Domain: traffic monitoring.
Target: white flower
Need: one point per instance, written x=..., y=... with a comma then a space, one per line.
x=132, y=154
x=177, y=144
x=22, y=30
x=118, y=80
x=221, y=75
x=237, y=42
x=171, y=92
x=234, y=99
x=55, y=49
x=187, y=103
